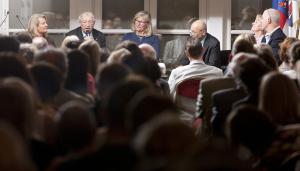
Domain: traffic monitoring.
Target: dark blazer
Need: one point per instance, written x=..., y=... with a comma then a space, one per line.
x=98, y=36
x=222, y=102
x=211, y=53
x=276, y=38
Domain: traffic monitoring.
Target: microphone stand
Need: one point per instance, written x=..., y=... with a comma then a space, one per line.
x=5, y=17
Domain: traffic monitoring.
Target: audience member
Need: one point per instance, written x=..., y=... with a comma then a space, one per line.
x=294, y=56
x=92, y=49
x=264, y=52
x=283, y=53
x=70, y=43
x=9, y=44
x=279, y=99
x=23, y=37
x=196, y=68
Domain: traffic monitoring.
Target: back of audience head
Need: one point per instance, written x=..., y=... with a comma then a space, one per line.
x=11, y=66
x=118, y=56
x=135, y=59
x=109, y=76
x=75, y=117
x=279, y=98
x=131, y=46
x=9, y=44
x=284, y=48
x=236, y=61
x=92, y=48
x=14, y=152
x=70, y=42
x=17, y=105
x=57, y=57
x=214, y=155
x=148, y=51
x=141, y=108
x=77, y=72
x=163, y=138
x=294, y=53
x=121, y=96
x=48, y=80
x=264, y=52
x=40, y=43
x=248, y=127
x=250, y=72
x=242, y=44
x=193, y=48
x=23, y=37
x=27, y=52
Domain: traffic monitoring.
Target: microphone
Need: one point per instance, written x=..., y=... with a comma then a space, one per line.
x=19, y=20
x=5, y=17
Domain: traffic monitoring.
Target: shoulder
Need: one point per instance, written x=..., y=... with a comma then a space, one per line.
x=74, y=31
x=97, y=32
x=279, y=34
x=212, y=40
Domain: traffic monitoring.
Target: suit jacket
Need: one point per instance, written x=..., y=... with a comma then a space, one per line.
x=222, y=102
x=204, y=100
x=276, y=38
x=97, y=35
x=211, y=53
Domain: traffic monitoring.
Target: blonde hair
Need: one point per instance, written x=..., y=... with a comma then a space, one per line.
x=92, y=48
x=143, y=14
x=33, y=24
x=281, y=106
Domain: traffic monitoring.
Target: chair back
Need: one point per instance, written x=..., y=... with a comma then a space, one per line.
x=189, y=88
x=186, y=96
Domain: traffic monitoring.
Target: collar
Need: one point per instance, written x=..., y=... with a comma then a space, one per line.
x=203, y=40
x=196, y=62
x=269, y=34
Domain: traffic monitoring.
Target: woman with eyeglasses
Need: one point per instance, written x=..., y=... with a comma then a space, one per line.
x=142, y=31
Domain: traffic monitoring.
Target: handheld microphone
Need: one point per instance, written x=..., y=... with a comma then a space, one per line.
x=19, y=20
x=5, y=17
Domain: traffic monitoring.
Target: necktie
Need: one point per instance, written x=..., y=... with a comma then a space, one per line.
x=263, y=40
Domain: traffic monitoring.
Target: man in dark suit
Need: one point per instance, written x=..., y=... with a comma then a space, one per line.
x=274, y=35
x=211, y=45
x=86, y=30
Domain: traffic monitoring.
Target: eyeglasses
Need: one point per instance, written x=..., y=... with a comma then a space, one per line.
x=142, y=22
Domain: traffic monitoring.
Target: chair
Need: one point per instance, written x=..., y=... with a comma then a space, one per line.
x=186, y=97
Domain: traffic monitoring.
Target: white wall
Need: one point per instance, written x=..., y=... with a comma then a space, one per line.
x=218, y=14
x=3, y=13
